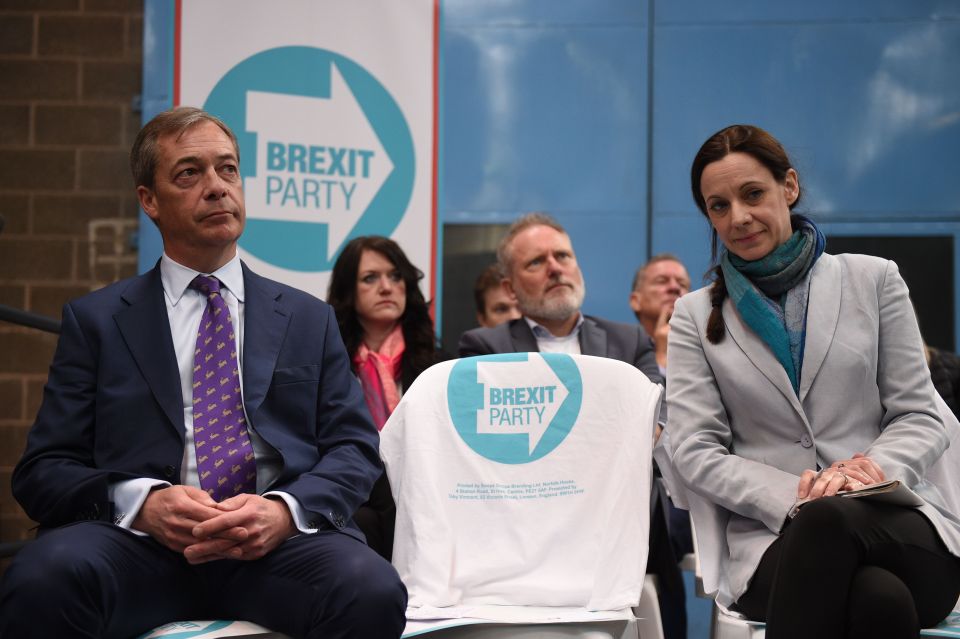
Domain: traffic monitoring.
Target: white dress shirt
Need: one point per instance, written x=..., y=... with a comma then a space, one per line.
x=547, y=342
x=185, y=307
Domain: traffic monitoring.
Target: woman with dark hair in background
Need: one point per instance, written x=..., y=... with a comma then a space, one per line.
x=386, y=326
x=797, y=375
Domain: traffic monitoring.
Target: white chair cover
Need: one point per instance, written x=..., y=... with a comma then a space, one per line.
x=522, y=484
x=209, y=630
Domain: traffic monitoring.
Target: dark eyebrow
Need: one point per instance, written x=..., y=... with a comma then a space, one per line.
x=195, y=159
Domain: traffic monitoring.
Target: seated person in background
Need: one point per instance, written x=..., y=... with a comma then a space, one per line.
x=494, y=304
x=540, y=268
x=656, y=286
x=201, y=442
x=796, y=375
x=945, y=372
x=386, y=327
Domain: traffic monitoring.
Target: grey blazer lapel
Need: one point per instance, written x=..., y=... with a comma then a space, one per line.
x=593, y=338
x=145, y=328
x=759, y=354
x=264, y=325
x=522, y=337
x=823, y=313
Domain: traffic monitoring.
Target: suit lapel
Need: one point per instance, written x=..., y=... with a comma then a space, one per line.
x=823, y=313
x=759, y=354
x=264, y=326
x=522, y=337
x=145, y=328
x=593, y=338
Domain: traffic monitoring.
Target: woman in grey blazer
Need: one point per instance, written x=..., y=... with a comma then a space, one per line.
x=799, y=374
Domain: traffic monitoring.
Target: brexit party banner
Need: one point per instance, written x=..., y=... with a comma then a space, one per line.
x=334, y=105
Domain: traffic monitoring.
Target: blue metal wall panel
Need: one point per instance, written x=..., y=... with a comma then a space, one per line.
x=872, y=135
x=545, y=108
x=754, y=12
x=534, y=118
x=530, y=13
x=609, y=248
x=865, y=108
x=157, y=96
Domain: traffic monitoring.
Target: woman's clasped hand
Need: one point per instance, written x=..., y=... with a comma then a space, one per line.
x=845, y=474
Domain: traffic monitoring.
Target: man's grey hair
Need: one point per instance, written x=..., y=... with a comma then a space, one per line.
x=144, y=155
x=642, y=271
x=521, y=224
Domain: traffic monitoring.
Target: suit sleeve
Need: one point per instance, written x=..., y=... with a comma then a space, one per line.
x=912, y=434
x=346, y=460
x=645, y=359
x=56, y=481
x=472, y=343
x=701, y=436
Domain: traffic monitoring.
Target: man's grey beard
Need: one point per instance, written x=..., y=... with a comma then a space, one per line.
x=557, y=308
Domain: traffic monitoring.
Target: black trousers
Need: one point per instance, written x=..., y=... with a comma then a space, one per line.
x=94, y=579
x=853, y=568
x=662, y=562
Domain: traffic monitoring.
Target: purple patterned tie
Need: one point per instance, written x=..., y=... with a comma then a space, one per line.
x=225, y=459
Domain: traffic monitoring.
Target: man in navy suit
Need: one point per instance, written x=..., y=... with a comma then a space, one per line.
x=539, y=266
x=117, y=465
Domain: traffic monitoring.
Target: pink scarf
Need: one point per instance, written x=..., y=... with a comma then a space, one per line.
x=378, y=373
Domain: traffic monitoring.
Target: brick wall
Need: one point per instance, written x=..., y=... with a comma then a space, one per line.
x=69, y=70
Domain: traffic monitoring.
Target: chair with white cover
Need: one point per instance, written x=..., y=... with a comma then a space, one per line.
x=221, y=629
x=522, y=484
x=705, y=516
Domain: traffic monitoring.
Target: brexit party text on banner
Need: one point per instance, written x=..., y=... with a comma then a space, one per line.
x=515, y=408
x=336, y=139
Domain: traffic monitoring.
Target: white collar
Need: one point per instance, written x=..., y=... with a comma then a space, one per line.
x=176, y=278
x=542, y=332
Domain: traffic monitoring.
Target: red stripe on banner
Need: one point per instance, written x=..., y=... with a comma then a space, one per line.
x=177, y=18
x=436, y=150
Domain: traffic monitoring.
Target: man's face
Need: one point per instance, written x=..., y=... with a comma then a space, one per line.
x=499, y=306
x=197, y=197
x=544, y=274
x=662, y=283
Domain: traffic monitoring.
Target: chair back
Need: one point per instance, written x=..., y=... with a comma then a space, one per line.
x=522, y=480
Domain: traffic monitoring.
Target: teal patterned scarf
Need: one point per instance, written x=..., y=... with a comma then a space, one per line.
x=771, y=293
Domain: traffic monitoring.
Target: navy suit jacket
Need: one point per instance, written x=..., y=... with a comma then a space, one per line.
x=112, y=408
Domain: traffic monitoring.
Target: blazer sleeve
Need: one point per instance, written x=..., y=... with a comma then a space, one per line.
x=473, y=343
x=701, y=435
x=912, y=433
x=56, y=480
x=645, y=359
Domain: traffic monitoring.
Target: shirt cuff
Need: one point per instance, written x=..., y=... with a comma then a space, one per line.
x=300, y=517
x=128, y=497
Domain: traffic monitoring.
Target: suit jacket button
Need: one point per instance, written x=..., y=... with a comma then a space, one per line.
x=805, y=441
x=338, y=521
x=168, y=471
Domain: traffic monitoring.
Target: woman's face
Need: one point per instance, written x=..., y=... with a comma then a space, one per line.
x=381, y=292
x=749, y=209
